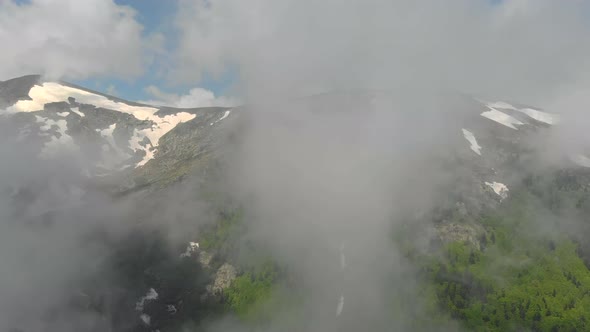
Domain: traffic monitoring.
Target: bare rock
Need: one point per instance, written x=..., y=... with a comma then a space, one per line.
x=223, y=279
x=205, y=258
x=460, y=232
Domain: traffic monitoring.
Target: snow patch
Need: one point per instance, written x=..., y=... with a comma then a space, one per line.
x=502, y=118
x=540, y=116
x=51, y=92
x=108, y=132
x=77, y=111
x=54, y=92
x=64, y=141
x=119, y=155
x=499, y=188
x=149, y=296
x=532, y=113
x=501, y=104
x=63, y=114
x=340, y=306
x=471, y=139
x=190, y=249
x=225, y=115
x=160, y=127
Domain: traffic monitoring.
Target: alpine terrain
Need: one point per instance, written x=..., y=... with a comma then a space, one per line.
x=352, y=210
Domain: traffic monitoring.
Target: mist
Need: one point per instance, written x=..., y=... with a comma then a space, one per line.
x=68, y=247
x=325, y=185
x=343, y=172
x=350, y=109
x=508, y=49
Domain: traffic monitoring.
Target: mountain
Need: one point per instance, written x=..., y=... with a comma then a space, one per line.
x=82, y=163
x=470, y=180
x=112, y=134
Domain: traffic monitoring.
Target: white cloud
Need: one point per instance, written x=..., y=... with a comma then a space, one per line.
x=519, y=49
x=196, y=97
x=70, y=39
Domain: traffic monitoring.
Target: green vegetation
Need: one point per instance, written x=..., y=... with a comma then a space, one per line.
x=521, y=279
x=262, y=297
x=544, y=290
x=249, y=292
x=513, y=269
x=228, y=228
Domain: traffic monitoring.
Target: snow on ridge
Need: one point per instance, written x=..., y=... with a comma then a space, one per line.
x=63, y=141
x=160, y=127
x=501, y=104
x=54, y=92
x=225, y=115
x=538, y=115
x=50, y=92
x=502, y=118
x=107, y=134
x=77, y=111
x=471, y=139
x=499, y=188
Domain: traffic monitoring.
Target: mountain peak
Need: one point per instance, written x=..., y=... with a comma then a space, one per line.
x=57, y=114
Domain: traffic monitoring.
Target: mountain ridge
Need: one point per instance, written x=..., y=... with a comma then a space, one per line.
x=60, y=109
x=474, y=160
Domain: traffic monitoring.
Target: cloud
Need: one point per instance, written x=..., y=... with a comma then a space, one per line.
x=58, y=235
x=347, y=168
x=71, y=39
x=196, y=97
x=516, y=48
x=311, y=182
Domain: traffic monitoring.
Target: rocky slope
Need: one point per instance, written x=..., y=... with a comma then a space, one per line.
x=109, y=133
x=138, y=154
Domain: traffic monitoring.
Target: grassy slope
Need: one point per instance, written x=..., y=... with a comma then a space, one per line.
x=520, y=280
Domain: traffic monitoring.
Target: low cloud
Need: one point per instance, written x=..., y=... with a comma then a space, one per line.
x=520, y=49
x=318, y=179
x=72, y=39
x=196, y=97
x=344, y=169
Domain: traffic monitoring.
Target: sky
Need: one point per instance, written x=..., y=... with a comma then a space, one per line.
x=135, y=61
x=157, y=23
x=133, y=48
x=312, y=181
x=155, y=16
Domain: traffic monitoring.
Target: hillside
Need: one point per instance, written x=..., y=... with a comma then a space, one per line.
x=349, y=211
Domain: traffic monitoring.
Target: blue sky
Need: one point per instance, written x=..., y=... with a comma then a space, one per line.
x=155, y=16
